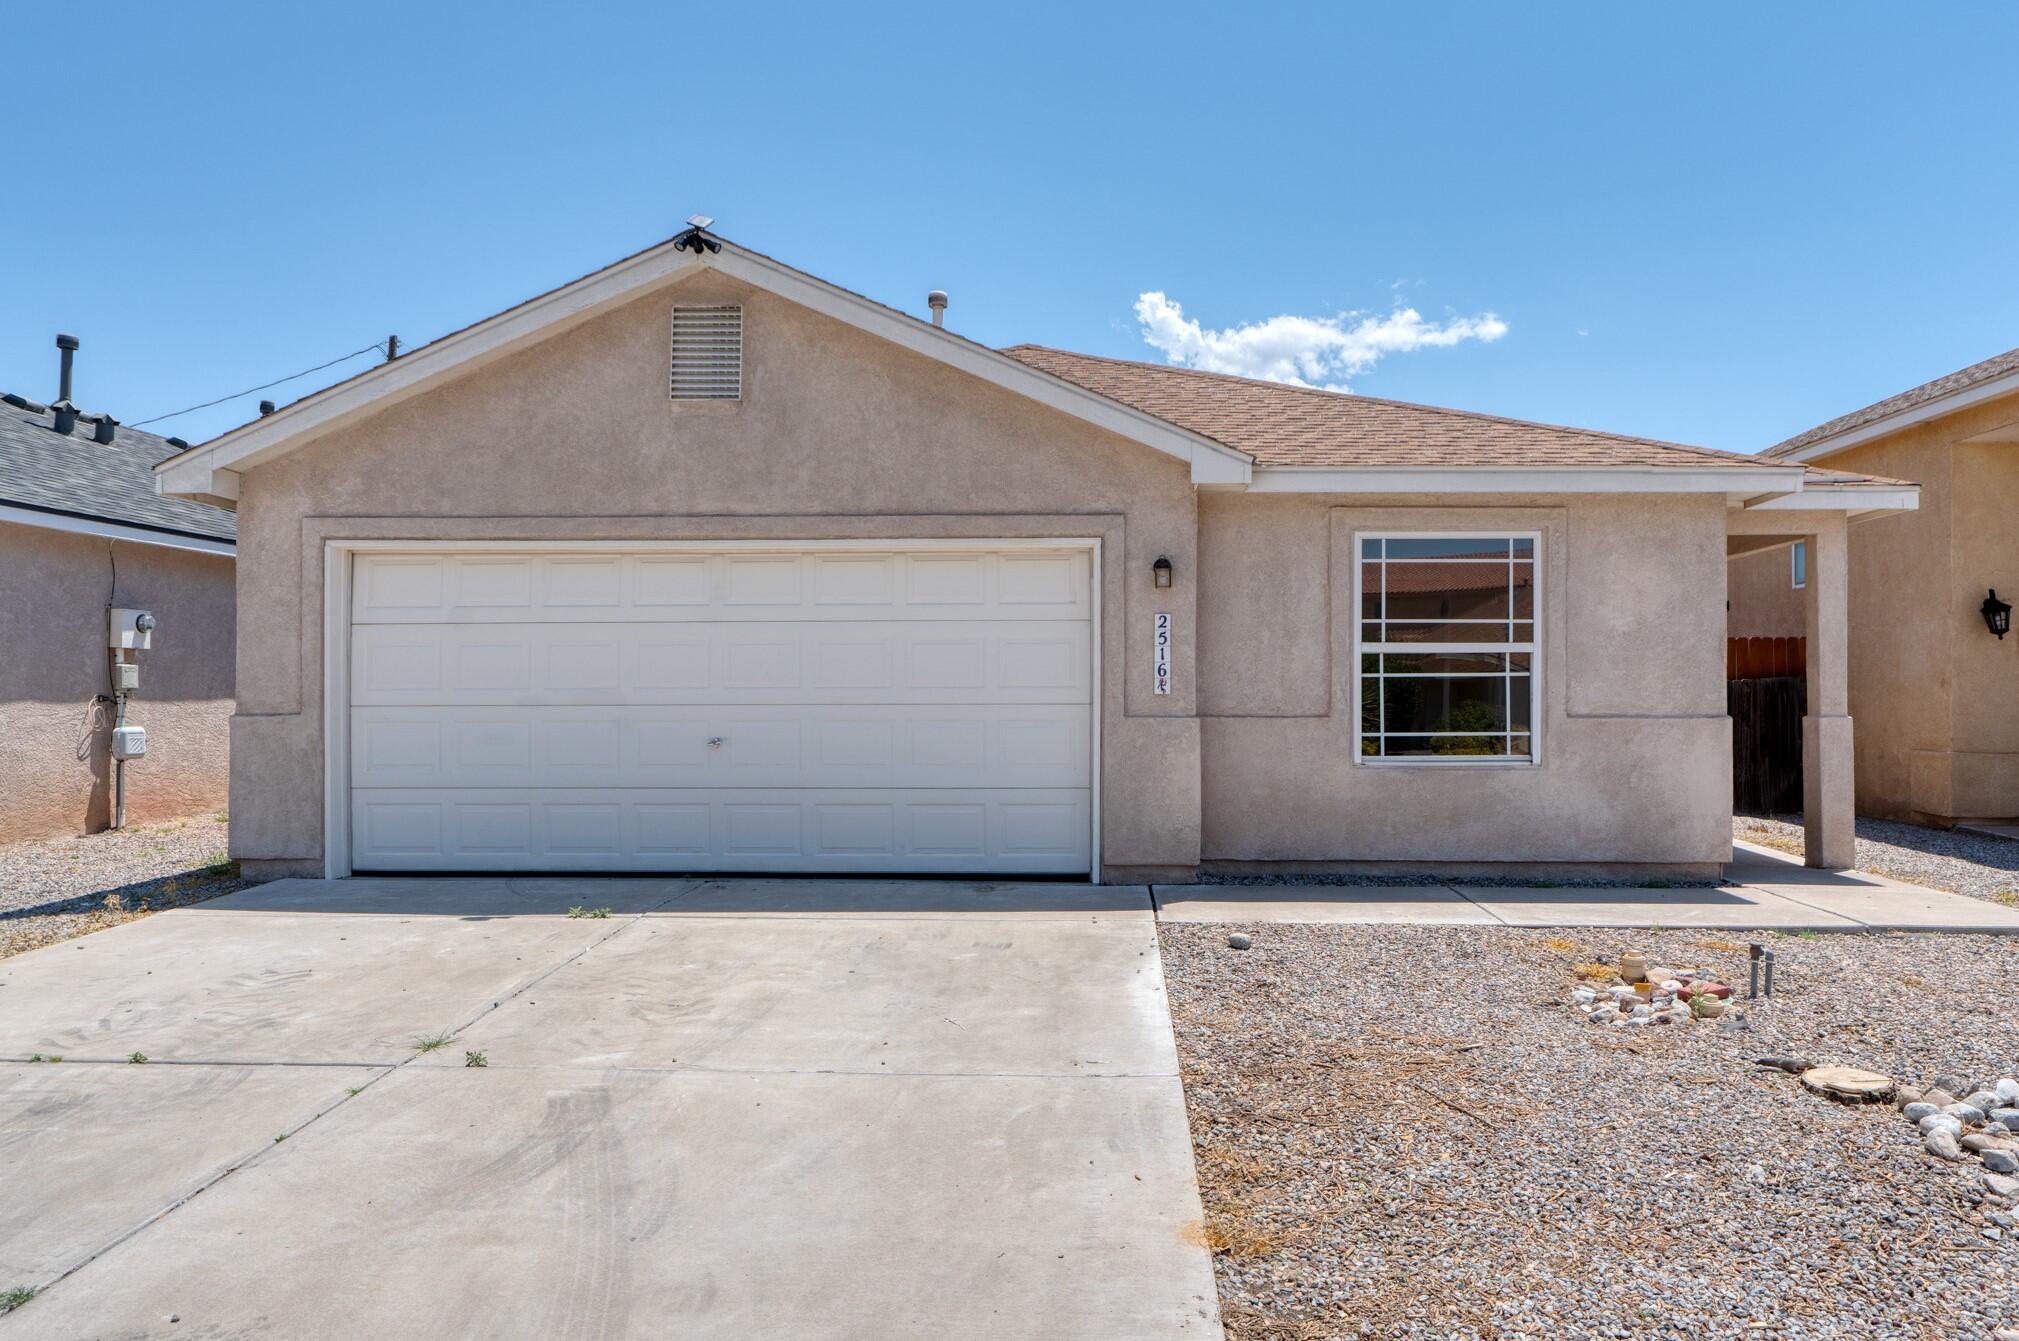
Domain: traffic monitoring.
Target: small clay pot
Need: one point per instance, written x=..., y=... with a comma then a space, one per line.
x=1633, y=966
x=1710, y=1007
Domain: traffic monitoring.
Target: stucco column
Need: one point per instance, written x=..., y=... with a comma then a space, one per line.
x=1829, y=801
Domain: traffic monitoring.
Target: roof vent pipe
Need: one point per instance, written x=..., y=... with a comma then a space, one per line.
x=265, y=408
x=936, y=300
x=66, y=413
x=68, y=344
x=103, y=430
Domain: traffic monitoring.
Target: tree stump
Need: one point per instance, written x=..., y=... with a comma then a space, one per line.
x=1847, y=1084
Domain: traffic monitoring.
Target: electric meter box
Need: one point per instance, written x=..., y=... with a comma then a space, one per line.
x=131, y=630
x=129, y=742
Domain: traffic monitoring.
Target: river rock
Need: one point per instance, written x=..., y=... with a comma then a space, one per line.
x=1940, y=1122
x=2000, y=1161
x=2007, y=1090
x=1916, y=1111
x=1941, y=1143
x=1951, y=1085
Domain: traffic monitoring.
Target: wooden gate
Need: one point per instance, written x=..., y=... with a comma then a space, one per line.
x=1767, y=742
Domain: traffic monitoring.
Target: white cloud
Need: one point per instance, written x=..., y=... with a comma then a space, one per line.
x=1303, y=351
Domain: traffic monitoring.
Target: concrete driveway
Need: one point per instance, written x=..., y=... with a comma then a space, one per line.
x=723, y=1109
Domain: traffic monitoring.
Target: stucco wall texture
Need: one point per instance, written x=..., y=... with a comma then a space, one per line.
x=840, y=435
x=1935, y=696
x=1765, y=603
x=55, y=765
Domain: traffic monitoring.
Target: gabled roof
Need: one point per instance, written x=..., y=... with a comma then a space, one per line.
x=1282, y=425
x=1235, y=433
x=207, y=469
x=58, y=476
x=1995, y=376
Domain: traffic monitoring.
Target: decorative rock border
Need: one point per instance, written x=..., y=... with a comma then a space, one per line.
x=1644, y=994
x=1984, y=1122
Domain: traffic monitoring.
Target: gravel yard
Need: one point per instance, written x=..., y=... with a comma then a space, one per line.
x=1962, y=863
x=1407, y=1132
x=57, y=888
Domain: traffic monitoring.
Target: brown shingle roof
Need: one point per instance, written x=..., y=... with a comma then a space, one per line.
x=1998, y=365
x=1283, y=425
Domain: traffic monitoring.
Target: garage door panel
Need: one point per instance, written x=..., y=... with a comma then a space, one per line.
x=998, y=745
x=757, y=710
x=1034, y=662
x=756, y=586
x=933, y=829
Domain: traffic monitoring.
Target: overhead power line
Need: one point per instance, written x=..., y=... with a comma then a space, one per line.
x=379, y=347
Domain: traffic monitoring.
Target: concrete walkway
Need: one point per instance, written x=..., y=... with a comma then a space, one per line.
x=1764, y=890
x=725, y=1109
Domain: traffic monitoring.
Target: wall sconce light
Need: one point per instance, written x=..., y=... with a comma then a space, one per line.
x=1997, y=614
x=1160, y=573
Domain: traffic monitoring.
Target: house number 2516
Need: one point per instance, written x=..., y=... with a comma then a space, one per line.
x=1163, y=653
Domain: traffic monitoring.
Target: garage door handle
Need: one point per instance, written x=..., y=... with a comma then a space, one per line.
x=714, y=742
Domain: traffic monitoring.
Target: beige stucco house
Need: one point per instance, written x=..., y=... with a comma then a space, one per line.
x=83, y=531
x=1934, y=691
x=848, y=592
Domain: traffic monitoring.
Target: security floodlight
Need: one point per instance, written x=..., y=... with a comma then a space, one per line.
x=694, y=237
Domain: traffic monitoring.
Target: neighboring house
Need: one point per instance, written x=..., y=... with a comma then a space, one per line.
x=848, y=592
x=82, y=530
x=1934, y=691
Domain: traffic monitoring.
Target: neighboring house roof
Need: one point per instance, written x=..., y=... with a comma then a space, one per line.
x=1404, y=577
x=1236, y=433
x=1995, y=376
x=75, y=483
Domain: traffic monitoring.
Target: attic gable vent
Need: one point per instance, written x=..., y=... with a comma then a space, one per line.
x=708, y=353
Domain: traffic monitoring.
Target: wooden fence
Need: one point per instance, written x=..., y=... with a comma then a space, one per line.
x=1756, y=658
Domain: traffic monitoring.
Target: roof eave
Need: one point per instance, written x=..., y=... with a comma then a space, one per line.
x=1741, y=480
x=78, y=523
x=1940, y=406
x=1857, y=500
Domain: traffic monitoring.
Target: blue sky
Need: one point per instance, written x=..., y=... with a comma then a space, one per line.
x=1716, y=223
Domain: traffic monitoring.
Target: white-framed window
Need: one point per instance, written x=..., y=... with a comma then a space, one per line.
x=1798, y=565
x=1449, y=659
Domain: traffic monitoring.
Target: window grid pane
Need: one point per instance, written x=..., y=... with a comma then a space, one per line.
x=1464, y=673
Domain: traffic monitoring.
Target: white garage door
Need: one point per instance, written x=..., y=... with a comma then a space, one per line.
x=776, y=710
